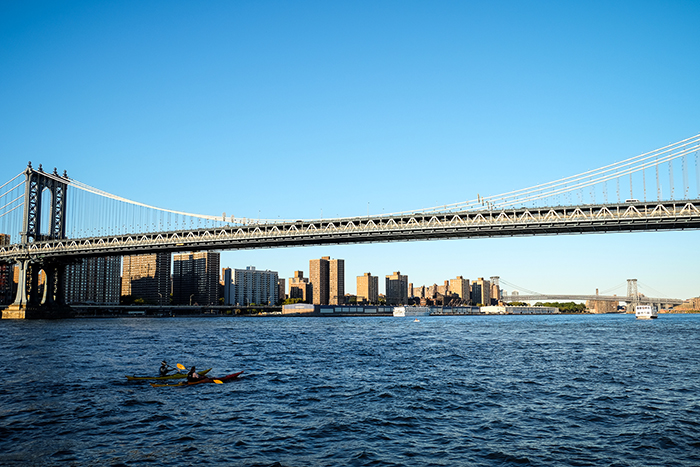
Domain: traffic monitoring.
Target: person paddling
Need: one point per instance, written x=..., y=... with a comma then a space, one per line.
x=192, y=375
x=165, y=368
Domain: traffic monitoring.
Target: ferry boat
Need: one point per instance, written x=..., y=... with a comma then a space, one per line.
x=411, y=311
x=646, y=312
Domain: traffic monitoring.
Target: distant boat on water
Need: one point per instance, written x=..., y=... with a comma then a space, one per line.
x=646, y=312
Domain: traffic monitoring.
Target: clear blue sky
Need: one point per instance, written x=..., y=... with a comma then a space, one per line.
x=302, y=109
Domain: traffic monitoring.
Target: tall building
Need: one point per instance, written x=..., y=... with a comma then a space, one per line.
x=419, y=292
x=147, y=277
x=431, y=291
x=336, y=283
x=6, y=275
x=460, y=286
x=368, y=288
x=229, y=288
x=93, y=280
x=7, y=288
x=327, y=277
x=6, y=282
x=281, y=289
x=396, y=289
x=481, y=292
x=249, y=286
x=196, y=278
x=319, y=275
x=300, y=287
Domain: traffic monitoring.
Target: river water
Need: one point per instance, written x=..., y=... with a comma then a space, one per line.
x=592, y=390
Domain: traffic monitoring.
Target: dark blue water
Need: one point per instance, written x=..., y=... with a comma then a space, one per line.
x=493, y=391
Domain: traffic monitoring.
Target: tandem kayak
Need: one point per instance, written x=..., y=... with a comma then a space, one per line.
x=173, y=376
x=223, y=379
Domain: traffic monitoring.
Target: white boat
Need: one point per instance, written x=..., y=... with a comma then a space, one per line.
x=411, y=311
x=646, y=312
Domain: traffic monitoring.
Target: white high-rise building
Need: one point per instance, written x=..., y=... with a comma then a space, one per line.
x=247, y=286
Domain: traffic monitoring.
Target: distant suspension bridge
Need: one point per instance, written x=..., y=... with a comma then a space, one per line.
x=632, y=298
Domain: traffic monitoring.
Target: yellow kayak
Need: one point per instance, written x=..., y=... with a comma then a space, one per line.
x=173, y=376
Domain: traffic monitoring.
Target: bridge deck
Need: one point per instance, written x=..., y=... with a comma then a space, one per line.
x=602, y=218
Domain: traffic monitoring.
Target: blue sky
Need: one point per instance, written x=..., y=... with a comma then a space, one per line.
x=302, y=109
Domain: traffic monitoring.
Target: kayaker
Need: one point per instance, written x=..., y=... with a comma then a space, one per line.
x=192, y=375
x=165, y=368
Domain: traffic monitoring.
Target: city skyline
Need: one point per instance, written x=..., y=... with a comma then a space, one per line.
x=196, y=278
x=361, y=108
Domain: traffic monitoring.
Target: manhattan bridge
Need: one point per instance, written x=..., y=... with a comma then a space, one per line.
x=48, y=219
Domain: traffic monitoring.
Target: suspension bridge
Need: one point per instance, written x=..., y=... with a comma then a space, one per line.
x=48, y=220
x=632, y=298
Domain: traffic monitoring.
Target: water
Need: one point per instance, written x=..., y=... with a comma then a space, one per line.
x=485, y=391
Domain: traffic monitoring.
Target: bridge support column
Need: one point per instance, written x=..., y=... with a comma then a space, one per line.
x=53, y=286
x=21, y=307
x=28, y=303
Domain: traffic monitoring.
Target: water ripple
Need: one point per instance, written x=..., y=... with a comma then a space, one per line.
x=498, y=391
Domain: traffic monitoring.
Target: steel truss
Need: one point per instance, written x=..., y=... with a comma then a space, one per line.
x=557, y=220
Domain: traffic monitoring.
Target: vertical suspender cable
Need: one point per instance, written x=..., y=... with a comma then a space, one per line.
x=658, y=183
x=631, y=194
x=110, y=218
x=697, y=175
x=684, y=165
x=605, y=192
x=4, y=220
x=74, y=209
x=101, y=215
x=670, y=176
x=82, y=218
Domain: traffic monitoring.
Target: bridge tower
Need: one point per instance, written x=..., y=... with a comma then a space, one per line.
x=632, y=294
x=28, y=303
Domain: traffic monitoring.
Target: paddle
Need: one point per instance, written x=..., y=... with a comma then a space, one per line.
x=182, y=367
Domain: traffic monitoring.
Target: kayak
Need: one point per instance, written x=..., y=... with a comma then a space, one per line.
x=199, y=381
x=173, y=376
